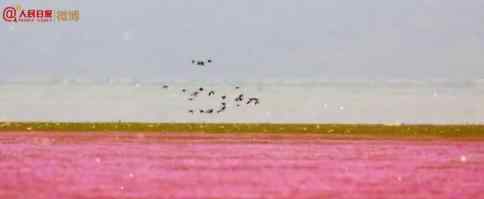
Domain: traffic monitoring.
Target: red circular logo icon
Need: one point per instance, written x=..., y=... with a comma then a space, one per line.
x=10, y=14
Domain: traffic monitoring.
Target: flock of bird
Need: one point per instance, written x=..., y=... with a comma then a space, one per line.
x=201, y=62
x=239, y=100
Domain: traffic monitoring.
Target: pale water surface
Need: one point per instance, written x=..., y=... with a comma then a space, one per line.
x=281, y=101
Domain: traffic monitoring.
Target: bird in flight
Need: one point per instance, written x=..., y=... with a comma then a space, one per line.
x=201, y=62
x=253, y=99
x=239, y=98
x=222, y=108
x=194, y=94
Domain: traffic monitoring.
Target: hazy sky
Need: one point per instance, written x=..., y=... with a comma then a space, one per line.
x=249, y=39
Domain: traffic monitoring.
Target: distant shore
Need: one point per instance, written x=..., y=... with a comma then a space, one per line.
x=400, y=131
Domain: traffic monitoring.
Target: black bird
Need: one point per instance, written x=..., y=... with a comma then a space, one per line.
x=190, y=111
x=190, y=99
x=184, y=90
x=253, y=99
x=194, y=94
x=202, y=111
x=210, y=110
x=209, y=61
x=200, y=89
x=165, y=86
x=222, y=108
x=201, y=63
x=223, y=97
x=239, y=98
x=193, y=61
x=237, y=87
x=211, y=93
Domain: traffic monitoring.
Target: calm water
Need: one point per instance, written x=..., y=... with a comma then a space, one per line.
x=326, y=102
